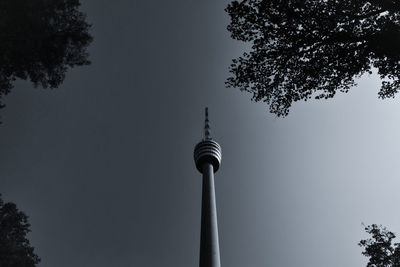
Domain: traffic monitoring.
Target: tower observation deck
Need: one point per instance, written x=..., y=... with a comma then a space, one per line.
x=207, y=156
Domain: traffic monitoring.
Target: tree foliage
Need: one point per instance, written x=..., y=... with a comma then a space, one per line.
x=15, y=249
x=380, y=249
x=312, y=48
x=40, y=40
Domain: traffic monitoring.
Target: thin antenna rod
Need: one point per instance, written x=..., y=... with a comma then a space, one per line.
x=207, y=130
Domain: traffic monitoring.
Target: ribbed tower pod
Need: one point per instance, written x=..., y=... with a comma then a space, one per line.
x=207, y=156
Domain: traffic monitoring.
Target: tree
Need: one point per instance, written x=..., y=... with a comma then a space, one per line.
x=310, y=48
x=40, y=40
x=379, y=249
x=15, y=249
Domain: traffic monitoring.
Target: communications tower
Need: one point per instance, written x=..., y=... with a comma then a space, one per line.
x=207, y=156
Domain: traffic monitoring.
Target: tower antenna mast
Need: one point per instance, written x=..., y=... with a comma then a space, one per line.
x=207, y=130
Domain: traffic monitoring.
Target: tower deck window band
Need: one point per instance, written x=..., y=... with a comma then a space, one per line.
x=207, y=151
x=207, y=156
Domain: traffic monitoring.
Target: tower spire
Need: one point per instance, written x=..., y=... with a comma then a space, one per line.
x=207, y=131
x=207, y=156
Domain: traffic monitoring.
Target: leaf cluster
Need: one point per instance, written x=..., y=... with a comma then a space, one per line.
x=40, y=40
x=15, y=248
x=380, y=249
x=311, y=48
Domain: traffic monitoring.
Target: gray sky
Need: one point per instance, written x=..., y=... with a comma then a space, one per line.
x=103, y=165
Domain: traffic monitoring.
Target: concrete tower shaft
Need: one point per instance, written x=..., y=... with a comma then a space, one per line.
x=207, y=156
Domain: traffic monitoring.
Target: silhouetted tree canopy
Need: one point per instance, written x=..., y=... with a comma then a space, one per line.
x=380, y=249
x=313, y=48
x=40, y=40
x=15, y=250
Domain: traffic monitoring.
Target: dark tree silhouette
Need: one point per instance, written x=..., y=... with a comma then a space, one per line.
x=15, y=250
x=40, y=40
x=380, y=248
x=311, y=48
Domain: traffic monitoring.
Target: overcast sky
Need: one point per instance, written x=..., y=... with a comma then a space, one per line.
x=104, y=165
